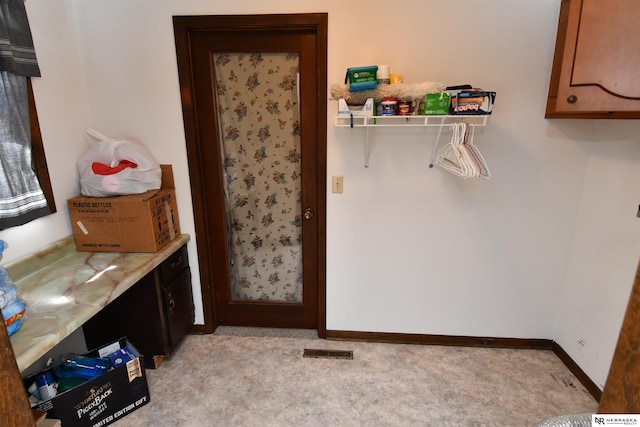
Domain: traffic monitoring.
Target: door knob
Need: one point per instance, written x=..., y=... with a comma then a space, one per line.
x=308, y=213
x=572, y=99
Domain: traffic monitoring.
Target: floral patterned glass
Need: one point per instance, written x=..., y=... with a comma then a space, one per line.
x=260, y=132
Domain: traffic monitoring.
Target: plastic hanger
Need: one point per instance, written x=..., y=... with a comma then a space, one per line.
x=450, y=157
x=473, y=169
x=485, y=172
x=461, y=156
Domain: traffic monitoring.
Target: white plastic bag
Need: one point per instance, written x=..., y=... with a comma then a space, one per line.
x=114, y=167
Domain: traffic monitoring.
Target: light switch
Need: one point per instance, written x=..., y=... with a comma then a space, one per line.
x=336, y=184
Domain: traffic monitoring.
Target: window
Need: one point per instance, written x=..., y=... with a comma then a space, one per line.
x=25, y=188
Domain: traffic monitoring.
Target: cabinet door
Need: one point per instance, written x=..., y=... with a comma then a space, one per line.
x=596, y=60
x=179, y=306
x=136, y=315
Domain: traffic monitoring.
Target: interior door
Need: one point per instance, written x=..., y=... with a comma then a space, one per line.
x=254, y=97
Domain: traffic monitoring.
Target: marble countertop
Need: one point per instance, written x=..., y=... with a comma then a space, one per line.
x=63, y=288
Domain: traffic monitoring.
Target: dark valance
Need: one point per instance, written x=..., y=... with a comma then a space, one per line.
x=17, y=54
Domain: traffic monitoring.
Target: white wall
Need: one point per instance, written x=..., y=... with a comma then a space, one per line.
x=605, y=247
x=62, y=111
x=545, y=249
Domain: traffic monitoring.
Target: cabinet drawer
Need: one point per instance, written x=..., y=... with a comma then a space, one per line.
x=173, y=266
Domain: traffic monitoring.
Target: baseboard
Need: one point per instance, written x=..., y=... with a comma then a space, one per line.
x=463, y=341
x=201, y=329
x=591, y=387
x=469, y=341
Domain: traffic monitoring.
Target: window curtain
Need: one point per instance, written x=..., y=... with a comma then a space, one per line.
x=260, y=133
x=21, y=197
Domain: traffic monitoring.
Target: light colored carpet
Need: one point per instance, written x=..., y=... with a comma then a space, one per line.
x=249, y=377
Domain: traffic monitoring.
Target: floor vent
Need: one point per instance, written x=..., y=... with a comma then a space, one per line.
x=328, y=354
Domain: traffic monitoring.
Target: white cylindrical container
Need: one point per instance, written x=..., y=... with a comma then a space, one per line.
x=389, y=106
x=383, y=74
x=47, y=387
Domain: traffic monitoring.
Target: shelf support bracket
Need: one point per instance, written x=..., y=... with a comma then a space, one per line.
x=435, y=145
x=366, y=147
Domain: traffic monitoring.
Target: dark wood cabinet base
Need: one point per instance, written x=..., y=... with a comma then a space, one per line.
x=155, y=314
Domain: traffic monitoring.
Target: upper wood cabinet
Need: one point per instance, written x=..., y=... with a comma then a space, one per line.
x=596, y=66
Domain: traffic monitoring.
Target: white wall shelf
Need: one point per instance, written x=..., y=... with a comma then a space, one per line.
x=355, y=121
x=352, y=121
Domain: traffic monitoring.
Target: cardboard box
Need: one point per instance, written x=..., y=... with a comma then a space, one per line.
x=435, y=104
x=472, y=102
x=134, y=223
x=105, y=399
x=357, y=110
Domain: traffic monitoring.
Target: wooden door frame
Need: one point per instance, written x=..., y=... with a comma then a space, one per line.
x=183, y=27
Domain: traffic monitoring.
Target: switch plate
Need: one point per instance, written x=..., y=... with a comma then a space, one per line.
x=336, y=184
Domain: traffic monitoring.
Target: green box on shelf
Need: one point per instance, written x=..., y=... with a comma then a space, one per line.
x=435, y=104
x=361, y=78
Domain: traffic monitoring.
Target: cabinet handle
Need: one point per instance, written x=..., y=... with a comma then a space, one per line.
x=572, y=99
x=177, y=262
x=171, y=303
